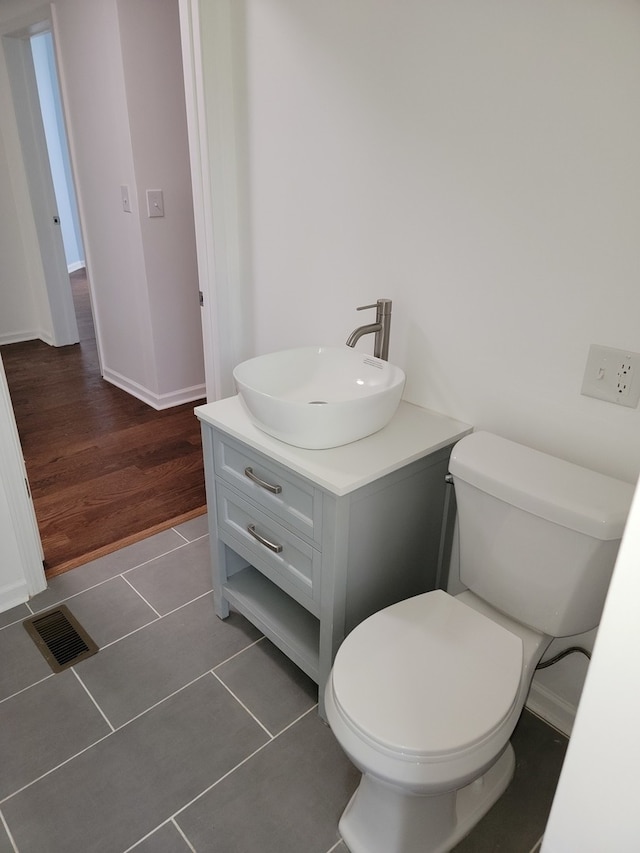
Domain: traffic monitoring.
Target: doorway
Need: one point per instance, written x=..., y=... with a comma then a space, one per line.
x=55, y=312
x=48, y=86
x=106, y=438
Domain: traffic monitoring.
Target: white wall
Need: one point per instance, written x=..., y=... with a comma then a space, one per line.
x=478, y=164
x=152, y=61
x=143, y=277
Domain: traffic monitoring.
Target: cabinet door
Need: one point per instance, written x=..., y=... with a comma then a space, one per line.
x=279, y=554
x=275, y=488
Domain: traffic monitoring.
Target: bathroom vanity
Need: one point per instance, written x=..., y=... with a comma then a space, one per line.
x=308, y=543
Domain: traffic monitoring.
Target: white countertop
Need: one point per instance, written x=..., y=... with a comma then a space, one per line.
x=412, y=433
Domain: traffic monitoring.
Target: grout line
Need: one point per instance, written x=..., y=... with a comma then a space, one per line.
x=59, y=601
x=130, y=634
x=105, y=580
x=180, y=534
x=28, y=687
x=86, y=689
x=241, y=703
x=8, y=831
x=20, y=620
x=104, y=737
x=235, y=654
x=244, y=761
x=157, y=557
x=124, y=725
x=335, y=846
x=198, y=538
x=137, y=592
x=547, y=723
x=53, y=769
x=187, y=603
x=155, y=829
x=186, y=840
x=153, y=621
x=160, y=701
x=147, y=836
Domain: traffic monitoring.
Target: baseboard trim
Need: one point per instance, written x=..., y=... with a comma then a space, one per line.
x=551, y=708
x=156, y=401
x=13, y=594
x=21, y=337
x=18, y=337
x=78, y=265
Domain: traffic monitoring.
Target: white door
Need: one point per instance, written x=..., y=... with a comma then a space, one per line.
x=17, y=51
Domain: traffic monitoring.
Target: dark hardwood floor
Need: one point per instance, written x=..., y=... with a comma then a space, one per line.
x=104, y=468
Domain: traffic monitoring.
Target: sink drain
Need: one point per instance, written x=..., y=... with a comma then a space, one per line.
x=317, y=403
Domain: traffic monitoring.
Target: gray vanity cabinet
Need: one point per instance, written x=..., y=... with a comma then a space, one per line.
x=306, y=551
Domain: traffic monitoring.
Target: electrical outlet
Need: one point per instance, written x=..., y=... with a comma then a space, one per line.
x=612, y=375
x=624, y=377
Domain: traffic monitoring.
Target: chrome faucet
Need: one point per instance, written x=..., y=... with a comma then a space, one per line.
x=380, y=328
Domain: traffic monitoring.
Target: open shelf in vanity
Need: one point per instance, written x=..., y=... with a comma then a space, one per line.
x=308, y=543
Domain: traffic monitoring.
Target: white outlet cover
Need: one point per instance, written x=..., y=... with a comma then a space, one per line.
x=612, y=375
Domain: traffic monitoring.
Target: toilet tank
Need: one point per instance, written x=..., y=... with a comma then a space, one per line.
x=538, y=535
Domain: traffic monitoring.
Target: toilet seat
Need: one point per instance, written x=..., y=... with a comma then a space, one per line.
x=407, y=678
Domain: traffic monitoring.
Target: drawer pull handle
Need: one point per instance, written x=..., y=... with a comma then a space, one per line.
x=248, y=472
x=270, y=545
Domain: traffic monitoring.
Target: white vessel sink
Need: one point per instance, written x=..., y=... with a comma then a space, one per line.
x=319, y=397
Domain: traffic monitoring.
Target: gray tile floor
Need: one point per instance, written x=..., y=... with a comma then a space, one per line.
x=186, y=733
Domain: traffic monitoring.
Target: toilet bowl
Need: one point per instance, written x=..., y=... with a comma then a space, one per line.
x=424, y=695
x=398, y=702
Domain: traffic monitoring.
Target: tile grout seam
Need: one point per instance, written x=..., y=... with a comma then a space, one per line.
x=241, y=703
x=140, y=595
x=240, y=764
x=120, y=574
x=87, y=691
x=55, y=603
x=8, y=831
x=128, y=722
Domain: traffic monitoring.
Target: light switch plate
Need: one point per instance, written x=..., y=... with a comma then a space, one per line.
x=155, y=203
x=612, y=375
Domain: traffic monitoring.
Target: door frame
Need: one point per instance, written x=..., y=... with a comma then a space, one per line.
x=13, y=476
x=207, y=54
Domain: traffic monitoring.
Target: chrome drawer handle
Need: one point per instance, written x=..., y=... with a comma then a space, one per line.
x=270, y=545
x=248, y=472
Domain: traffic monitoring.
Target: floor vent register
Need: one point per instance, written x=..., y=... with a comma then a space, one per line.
x=61, y=639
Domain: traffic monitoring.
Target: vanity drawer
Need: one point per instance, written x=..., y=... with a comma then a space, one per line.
x=279, y=554
x=281, y=492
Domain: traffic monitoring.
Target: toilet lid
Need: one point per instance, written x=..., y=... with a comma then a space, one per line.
x=428, y=675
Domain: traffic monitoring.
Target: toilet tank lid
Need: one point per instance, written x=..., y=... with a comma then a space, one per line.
x=551, y=488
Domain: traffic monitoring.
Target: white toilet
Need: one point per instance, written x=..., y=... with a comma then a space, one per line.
x=424, y=695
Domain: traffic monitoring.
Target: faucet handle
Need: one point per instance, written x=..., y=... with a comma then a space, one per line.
x=382, y=304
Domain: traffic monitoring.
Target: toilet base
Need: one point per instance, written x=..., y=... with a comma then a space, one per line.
x=384, y=819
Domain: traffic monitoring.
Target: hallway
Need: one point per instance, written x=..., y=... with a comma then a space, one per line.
x=105, y=469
